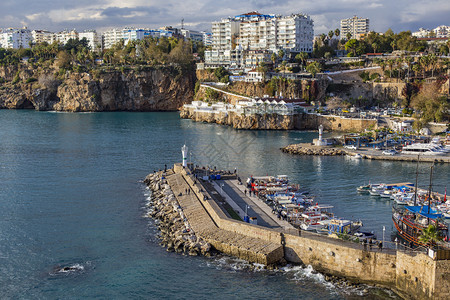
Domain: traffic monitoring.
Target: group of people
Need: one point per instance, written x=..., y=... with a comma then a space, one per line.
x=371, y=243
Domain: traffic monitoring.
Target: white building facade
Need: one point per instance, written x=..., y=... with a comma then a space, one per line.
x=112, y=37
x=94, y=39
x=15, y=38
x=233, y=38
x=357, y=27
x=41, y=36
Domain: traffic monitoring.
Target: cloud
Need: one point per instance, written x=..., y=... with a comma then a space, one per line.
x=83, y=14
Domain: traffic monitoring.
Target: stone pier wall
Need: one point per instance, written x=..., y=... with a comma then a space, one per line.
x=412, y=275
x=334, y=257
x=333, y=123
x=280, y=122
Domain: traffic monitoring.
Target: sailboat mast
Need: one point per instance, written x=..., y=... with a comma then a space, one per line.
x=429, y=190
x=417, y=175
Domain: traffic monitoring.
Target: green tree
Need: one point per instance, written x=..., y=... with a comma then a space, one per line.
x=430, y=235
x=313, y=68
x=430, y=105
x=351, y=46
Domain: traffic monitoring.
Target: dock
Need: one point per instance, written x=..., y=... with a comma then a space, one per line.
x=214, y=210
x=206, y=219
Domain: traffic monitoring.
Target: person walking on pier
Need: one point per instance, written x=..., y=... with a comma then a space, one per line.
x=245, y=192
x=380, y=246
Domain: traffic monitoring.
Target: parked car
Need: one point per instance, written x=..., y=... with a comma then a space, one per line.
x=352, y=147
x=389, y=152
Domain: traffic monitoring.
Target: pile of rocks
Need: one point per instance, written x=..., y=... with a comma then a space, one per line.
x=175, y=232
x=301, y=149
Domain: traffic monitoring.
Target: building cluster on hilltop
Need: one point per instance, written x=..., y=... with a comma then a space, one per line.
x=442, y=31
x=246, y=40
x=24, y=37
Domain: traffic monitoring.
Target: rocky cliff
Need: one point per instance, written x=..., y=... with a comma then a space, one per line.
x=144, y=89
x=267, y=121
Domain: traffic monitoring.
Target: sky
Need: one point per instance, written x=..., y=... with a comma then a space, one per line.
x=56, y=15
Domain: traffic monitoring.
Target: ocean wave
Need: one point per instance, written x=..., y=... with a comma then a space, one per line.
x=69, y=269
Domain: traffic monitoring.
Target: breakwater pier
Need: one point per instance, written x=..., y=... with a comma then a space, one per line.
x=214, y=221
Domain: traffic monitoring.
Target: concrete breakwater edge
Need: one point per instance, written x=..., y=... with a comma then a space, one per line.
x=175, y=231
x=308, y=149
x=413, y=275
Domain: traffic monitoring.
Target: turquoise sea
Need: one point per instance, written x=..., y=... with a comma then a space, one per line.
x=71, y=195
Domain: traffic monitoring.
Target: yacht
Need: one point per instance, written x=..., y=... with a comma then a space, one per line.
x=424, y=149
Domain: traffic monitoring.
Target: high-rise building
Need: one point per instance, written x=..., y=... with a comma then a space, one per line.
x=357, y=27
x=94, y=39
x=15, y=38
x=234, y=38
x=41, y=36
x=111, y=37
x=64, y=36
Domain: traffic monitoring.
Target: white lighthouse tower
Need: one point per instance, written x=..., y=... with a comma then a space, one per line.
x=320, y=141
x=184, y=151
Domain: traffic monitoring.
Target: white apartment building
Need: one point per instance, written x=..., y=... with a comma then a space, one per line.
x=112, y=37
x=41, y=36
x=442, y=31
x=295, y=33
x=257, y=32
x=192, y=35
x=207, y=38
x=64, y=36
x=422, y=33
x=94, y=39
x=15, y=38
x=357, y=27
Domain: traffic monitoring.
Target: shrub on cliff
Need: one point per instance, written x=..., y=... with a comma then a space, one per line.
x=16, y=78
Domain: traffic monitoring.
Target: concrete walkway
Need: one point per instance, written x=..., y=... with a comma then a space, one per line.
x=238, y=202
x=259, y=205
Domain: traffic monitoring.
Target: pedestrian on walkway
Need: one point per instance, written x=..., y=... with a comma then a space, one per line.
x=245, y=192
x=380, y=246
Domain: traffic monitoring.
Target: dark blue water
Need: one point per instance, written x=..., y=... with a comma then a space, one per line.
x=70, y=195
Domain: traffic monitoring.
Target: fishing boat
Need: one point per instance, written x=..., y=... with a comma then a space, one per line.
x=339, y=226
x=364, y=189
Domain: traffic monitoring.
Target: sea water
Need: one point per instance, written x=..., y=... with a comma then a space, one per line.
x=72, y=206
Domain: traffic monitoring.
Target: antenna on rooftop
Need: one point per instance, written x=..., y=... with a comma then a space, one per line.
x=182, y=23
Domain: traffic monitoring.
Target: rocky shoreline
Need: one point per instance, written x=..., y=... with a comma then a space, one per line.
x=308, y=149
x=175, y=232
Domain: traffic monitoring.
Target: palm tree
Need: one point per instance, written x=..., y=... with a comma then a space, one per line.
x=430, y=235
x=281, y=53
x=302, y=57
x=390, y=63
x=313, y=68
x=349, y=35
x=408, y=61
x=375, y=47
x=337, y=32
x=330, y=34
x=322, y=38
x=273, y=57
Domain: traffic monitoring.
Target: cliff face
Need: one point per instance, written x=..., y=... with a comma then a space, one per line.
x=158, y=89
x=267, y=121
